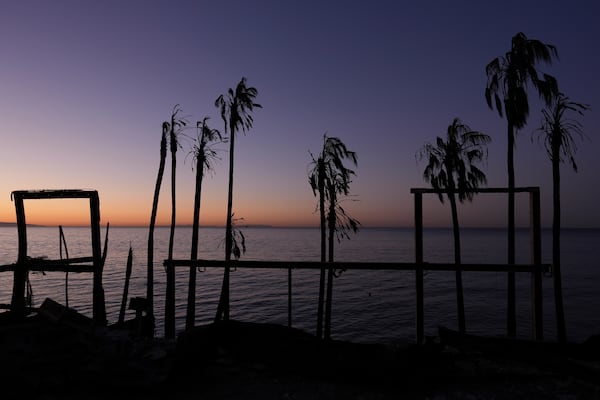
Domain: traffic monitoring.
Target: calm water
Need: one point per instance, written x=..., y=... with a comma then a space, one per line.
x=368, y=306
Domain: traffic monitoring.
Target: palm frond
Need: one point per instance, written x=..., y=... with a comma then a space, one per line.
x=203, y=147
x=509, y=75
x=450, y=162
x=236, y=107
x=330, y=171
x=557, y=131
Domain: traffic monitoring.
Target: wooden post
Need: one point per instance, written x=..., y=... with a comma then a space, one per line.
x=536, y=260
x=290, y=297
x=99, y=307
x=419, y=267
x=170, y=302
x=190, y=314
x=126, y=287
x=20, y=273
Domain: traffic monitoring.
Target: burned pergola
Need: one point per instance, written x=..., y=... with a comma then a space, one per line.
x=92, y=264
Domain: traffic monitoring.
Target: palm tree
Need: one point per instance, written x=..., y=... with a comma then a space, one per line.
x=451, y=168
x=235, y=107
x=204, y=155
x=329, y=177
x=174, y=129
x=506, y=90
x=150, y=264
x=317, y=182
x=339, y=224
x=557, y=132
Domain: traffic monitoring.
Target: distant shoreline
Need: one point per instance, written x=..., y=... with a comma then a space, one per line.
x=265, y=226
x=14, y=224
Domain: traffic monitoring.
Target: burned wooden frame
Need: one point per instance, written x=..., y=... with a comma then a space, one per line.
x=25, y=264
x=536, y=268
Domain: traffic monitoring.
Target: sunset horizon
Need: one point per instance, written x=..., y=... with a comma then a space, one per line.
x=299, y=199
x=83, y=107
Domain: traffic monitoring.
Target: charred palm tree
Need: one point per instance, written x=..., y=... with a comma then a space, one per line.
x=506, y=90
x=329, y=177
x=451, y=168
x=557, y=132
x=175, y=127
x=236, y=108
x=204, y=154
x=150, y=264
x=340, y=223
x=317, y=182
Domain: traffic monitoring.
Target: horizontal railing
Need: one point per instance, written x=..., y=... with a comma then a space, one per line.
x=535, y=269
x=44, y=265
x=387, y=266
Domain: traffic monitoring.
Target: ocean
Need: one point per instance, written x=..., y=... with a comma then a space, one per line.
x=369, y=306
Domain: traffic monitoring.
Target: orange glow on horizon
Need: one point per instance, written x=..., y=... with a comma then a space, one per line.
x=76, y=212
x=485, y=211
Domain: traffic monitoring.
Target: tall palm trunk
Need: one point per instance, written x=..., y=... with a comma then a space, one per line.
x=191, y=302
x=223, y=307
x=331, y=221
x=321, y=186
x=460, y=304
x=511, y=323
x=170, y=289
x=150, y=264
x=452, y=170
x=558, y=299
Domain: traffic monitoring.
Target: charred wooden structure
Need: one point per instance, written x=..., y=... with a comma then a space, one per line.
x=93, y=264
x=535, y=268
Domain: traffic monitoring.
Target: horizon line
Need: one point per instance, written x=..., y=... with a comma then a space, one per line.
x=268, y=226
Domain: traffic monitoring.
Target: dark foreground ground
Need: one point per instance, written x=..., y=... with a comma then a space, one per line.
x=52, y=355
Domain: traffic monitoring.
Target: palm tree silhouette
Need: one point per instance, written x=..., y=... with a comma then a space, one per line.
x=235, y=107
x=175, y=127
x=557, y=132
x=150, y=263
x=317, y=182
x=339, y=223
x=203, y=154
x=328, y=178
x=451, y=167
x=506, y=90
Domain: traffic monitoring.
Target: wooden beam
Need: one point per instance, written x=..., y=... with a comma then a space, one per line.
x=99, y=306
x=419, y=287
x=54, y=194
x=526, y=189
x=354, y=265
x=20, y=272
x=290, y=297
x=536, y=259
x=43, y=265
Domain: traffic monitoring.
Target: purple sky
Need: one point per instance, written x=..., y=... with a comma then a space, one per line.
x=85, y=85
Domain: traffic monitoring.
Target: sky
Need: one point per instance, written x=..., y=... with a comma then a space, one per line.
x=86, y=85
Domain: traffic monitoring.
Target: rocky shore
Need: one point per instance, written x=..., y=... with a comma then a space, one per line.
x=51, y=355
